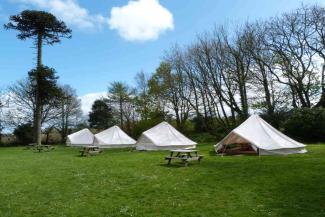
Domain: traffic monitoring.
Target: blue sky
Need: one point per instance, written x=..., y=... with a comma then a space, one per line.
x=113, y=46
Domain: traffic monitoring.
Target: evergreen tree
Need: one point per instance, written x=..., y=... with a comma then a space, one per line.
x=101, y=116
x=43, y=28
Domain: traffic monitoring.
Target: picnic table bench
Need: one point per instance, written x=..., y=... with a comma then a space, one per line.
x=184, y=155
x=90, y=150
x=40, y=148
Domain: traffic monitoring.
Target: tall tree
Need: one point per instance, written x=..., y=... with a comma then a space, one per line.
x=168, y=83
x=43, y=28
x=101, y=115
x=119, y=95
x=142, y=99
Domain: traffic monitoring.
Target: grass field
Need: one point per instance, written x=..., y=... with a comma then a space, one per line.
x=130, y=183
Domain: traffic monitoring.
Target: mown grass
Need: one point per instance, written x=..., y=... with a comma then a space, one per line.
x=131, y=183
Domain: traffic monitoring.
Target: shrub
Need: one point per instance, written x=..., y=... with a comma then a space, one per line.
x=24, y=133
x=307, y=124
x=144, y=125
x=204, y=138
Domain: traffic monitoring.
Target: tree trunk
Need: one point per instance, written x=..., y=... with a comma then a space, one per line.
x=121, y=112
x=38, y=110
x=269, y=105
x=63, y=124
x=47, y=137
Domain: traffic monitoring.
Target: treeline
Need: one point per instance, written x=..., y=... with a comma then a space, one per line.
x=275, y=68
x=272, y=67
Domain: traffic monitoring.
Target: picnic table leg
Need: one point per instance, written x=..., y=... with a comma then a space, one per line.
x=170, y=159
x=83, y=152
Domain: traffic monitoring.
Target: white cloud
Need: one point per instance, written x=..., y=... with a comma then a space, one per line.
x=88, y=100
x=141, y=20
x=69, y=11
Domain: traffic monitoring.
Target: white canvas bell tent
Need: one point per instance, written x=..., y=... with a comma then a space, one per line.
x=81, y=138
x=163, y=137
x=261, y=138
x=113, y=137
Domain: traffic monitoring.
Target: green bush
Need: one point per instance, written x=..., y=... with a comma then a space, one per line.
x=24, y=133
x=144, y=125
x=204, y=138
x=306, y=125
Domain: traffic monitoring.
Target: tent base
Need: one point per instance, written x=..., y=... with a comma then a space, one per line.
x=115, y=146
x=237, y=149
x=163, y=148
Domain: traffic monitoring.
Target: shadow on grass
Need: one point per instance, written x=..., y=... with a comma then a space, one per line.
x=174, y=165
x=179, y=165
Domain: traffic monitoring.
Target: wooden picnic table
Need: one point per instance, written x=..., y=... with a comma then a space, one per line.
x=90, y=150
x=40, y=148
x=185, y=155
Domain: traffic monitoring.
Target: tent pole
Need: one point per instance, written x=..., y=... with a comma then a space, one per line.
x=258, y=152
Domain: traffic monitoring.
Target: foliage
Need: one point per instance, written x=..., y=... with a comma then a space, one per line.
x=139, y=184
x=277, y=118
x=307, y=125
x=153, y=119
x=204, y=138
x=169, y=89
x=119, y=96
x=101, y=116
x=45, y=79
x=31, y=24
x=143, y=99
x=24, y=133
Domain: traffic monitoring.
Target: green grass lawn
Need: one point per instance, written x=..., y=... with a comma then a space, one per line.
x=131, y=183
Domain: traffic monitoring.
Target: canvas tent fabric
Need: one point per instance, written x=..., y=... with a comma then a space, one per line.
x=81, y=138
x=113, y=137
x=163, y=137
x=262, y=137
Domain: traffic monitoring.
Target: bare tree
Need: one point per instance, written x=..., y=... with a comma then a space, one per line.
x=295, y=59
x=69, y=109
x=22, y=102
x=313, y=19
